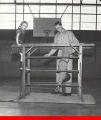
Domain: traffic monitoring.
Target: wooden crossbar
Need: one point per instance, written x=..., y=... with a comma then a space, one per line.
x=51, y=57
x=26, y=63
x=55, y=84
x=57, y=71
x=54, y=45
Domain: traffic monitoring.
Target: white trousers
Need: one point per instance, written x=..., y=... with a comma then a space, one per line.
x=62, y=65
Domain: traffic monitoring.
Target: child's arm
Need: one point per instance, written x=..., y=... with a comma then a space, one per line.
x=17, y=38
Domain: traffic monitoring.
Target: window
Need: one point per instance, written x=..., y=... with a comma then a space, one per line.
x=7, y=8
x=7, y=21
x=48, y=1
x=47, y=9
x=64, y=1
x=5, y=1
x=34, y=9
x=76, y=9
x=72, y=17
x=88, y=9
x=89, y=1
x=99, y=22
x=88, y=26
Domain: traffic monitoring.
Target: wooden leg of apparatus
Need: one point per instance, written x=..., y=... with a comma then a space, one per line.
x=23, y=78
x=28, y=82
x=80, y=72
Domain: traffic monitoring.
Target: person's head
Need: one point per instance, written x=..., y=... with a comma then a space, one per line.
x=58, y=26
x=23, y=25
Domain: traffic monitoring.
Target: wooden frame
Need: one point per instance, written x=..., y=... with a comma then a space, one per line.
x=26, y=51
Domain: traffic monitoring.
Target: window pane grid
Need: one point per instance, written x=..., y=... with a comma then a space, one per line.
x=88, y=13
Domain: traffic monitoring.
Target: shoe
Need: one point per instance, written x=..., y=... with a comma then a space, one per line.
x=56, y=91
x=66, y=94
x=26, y=68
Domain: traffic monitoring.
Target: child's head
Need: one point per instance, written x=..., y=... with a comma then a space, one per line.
x=23, y=25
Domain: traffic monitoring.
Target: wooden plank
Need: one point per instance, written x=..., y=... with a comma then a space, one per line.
x=51, y=57
x=69, y=71
x=54, y=45
x=54, y=84
x=80, y=72
x=23, y=80
x=28, y=75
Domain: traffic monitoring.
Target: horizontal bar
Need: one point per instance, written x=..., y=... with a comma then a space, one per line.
x=53, y=45
x=39, y=3
x=55, y=13
x=55, y=84
x=57, y=71
x=37, y=87
x=51, y=57
x=43, y=82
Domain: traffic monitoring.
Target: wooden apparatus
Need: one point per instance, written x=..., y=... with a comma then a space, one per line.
x=28, y=49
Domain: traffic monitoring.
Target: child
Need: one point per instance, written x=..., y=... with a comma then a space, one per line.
x=17, y=53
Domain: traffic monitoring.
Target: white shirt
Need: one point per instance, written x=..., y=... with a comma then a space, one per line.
x=66, y=37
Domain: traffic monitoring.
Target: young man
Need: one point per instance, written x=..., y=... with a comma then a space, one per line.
x=63, y=37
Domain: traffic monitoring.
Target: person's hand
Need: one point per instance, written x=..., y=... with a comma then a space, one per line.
x=47, y=55
x=19, y=45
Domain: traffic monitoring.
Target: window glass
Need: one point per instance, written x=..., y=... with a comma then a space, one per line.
x=89, y=1
x=88, y=26
x=7, y=8
x=88, y=9
x=8, y=1
x=48, y=1
x=47, y=9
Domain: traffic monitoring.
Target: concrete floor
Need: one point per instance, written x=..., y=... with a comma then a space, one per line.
x=91, y=86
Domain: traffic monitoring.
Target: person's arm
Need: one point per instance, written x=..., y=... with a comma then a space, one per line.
x=17, y=38
x=73, y=39
x=53, y=50
x=73, y=42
